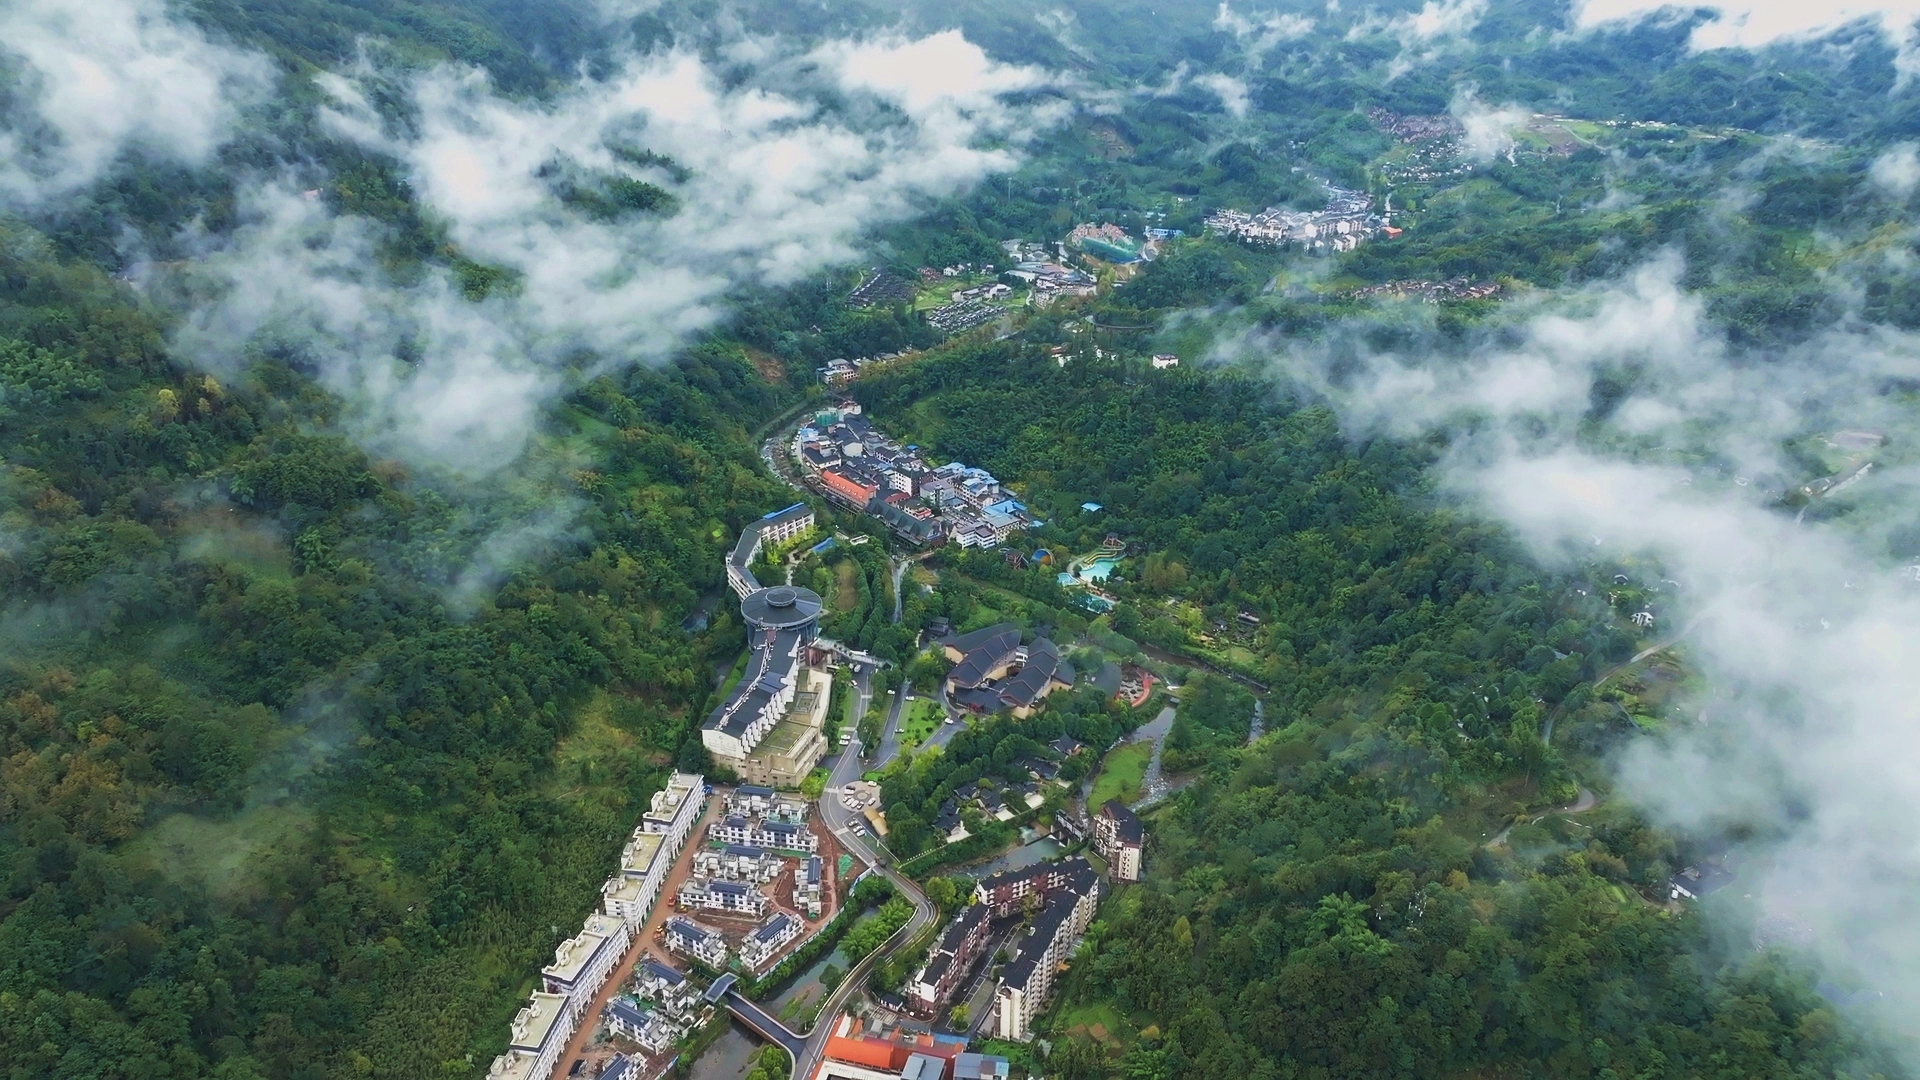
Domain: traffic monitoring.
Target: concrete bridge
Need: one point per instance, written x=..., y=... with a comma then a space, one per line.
x=758, y=1020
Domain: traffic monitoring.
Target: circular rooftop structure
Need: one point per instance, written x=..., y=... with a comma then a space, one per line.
x=782, y=607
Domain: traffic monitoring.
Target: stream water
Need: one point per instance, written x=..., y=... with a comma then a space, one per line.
x=1015, y=858
x=731, y=1056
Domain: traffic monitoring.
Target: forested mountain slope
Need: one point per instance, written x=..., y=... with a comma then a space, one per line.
x=316, y=742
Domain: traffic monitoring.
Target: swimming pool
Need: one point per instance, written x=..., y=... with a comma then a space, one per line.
x=1098, y=569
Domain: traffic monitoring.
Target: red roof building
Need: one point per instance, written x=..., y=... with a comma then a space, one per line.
x=846, y=487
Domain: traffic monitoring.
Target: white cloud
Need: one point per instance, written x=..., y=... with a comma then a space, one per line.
x=1424, y=35
x=787, y=163
x=1231, y=91
x=100, y=77
x=1748, y=24
x=1486, y=131
x=1897, y=171
x=1808, y=637
x=1260, y=32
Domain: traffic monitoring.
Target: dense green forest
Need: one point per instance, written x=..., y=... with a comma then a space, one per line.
x=312, y=754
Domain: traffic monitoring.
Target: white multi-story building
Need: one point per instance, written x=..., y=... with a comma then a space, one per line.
x=758, y=951
x=808, y=882
x=674, y=810
x=540, y=1031
x=1119, y=837
x=737, y=862
x=653, y=1031
x=750, y=800
x=644, y=866
x=728, y=896
x=702, y=943
x=656, y=982
x=1027, y=983
x=581, y=964
x=768, y=833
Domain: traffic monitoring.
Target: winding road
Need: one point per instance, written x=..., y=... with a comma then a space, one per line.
x=846, y=769
x=1586, y=801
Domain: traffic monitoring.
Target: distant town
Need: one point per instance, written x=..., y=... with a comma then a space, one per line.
x=844, y=457
x=1346, y=222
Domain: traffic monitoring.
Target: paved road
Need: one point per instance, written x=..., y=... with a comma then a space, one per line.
x=845, y=769
x=1585, y=802
x=890, y=733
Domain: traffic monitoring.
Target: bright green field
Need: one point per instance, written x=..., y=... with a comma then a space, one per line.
x=1122, y=774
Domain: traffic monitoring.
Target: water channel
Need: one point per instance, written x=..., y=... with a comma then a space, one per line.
x=1017, y=858
x=731, y=1056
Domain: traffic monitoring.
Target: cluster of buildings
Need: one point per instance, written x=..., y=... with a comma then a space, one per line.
x=1046, y=273
x=963, y=315
x=998, y=803
x=1056, y=899
x=1342, y=225
x=854, y=1054
x=840, y=372
x=582, y=963
x=1414, y=129
x=737, y=875
x=994, y=672
x=1107, y=242
x=970, y=307
x=880, y=287
x=1431, y=292
x=846, y=459
x=771, y=729
x=1434, y=146
x=661, y=1009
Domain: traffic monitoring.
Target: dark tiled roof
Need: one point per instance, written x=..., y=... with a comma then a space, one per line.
x=657, y=970
x=1034, y=947
x=772, y=928
x=937, y=968
x=687, y=928
x=1030, y=685
x=963, y=927
x=773, y=663
x=626, y=1012
x=754, y=790
x=974, y=639
x=1125, y=823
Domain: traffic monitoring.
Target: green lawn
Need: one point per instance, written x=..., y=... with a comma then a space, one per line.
x=922, y=718
x=1122, y=774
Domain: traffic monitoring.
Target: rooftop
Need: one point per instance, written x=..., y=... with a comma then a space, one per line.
x=773, y=927
x=640, y=854
x=782, y=607
x=535, y=1024
x=654, y=969
x=576, y=952
x=1126, y=823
